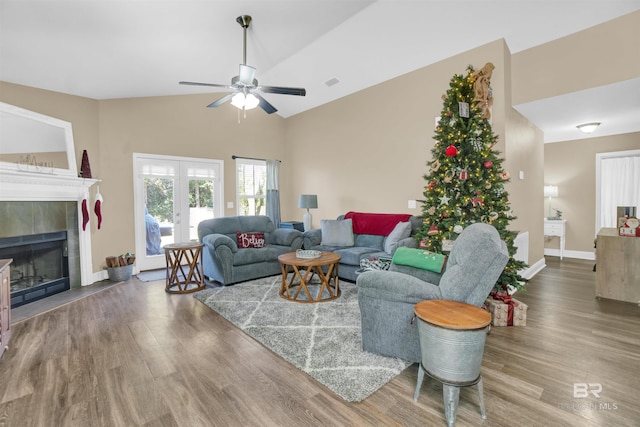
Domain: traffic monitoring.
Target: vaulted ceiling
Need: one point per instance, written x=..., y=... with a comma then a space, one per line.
x=106, y=49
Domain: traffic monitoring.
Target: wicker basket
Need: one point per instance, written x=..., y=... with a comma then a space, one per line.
x=120, y=274
x=300, y=253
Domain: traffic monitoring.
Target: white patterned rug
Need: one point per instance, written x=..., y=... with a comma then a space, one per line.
x=321, y=339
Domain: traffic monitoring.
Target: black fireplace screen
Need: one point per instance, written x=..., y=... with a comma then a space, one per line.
x=40, y=265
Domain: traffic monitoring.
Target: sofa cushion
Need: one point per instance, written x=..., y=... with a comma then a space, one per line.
x=369, y=241
x=353, y=255
x=250, y=240
x=401, y=231
x=252, y=256
x=337, y=232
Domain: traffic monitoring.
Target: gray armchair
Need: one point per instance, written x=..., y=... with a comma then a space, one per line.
x=387, y=298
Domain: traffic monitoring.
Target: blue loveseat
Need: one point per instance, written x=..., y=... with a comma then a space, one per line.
x=224, y=262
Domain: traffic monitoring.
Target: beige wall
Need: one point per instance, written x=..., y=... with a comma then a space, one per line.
x=571, y=166
x=597, y=56
x=368, y=151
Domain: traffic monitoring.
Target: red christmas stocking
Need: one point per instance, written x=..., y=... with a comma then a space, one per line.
x=98, y=209
x=85, y=214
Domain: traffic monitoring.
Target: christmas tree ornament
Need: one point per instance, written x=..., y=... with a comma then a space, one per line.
x=476, y=201
x=433, y=230
x=477, y=143
x=493, y=216
x=98, y=207
x=451, y=151
x=447, y=245
x=422, y=244
x=463, y=109
x=444, y=200
x=435, y=166
x=487, y=185
x=432, y=185
x=488, y=164
x=505, y=175
x=458, y=229
x=431, y=210
x=464, y=175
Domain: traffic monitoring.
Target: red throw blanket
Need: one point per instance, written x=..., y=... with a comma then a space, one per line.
x=379, y=224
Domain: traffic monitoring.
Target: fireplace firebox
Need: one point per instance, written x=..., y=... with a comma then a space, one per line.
x=40, y=265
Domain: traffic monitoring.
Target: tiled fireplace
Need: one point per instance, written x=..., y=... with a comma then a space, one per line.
x=42, y=240
x=40, y=228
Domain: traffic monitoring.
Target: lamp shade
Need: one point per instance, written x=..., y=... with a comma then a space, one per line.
x=588, y=127
x=308, y=201
x=550, y=191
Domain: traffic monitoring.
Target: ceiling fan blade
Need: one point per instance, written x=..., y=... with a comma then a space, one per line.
x=221, y=101
x=284, y=90
x=264, y=104
x=246, y=75
x=204, y=84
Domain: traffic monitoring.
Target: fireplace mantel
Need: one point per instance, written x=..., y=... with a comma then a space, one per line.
x=34, y=187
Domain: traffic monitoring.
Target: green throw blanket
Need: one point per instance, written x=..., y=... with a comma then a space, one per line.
x=419, y=258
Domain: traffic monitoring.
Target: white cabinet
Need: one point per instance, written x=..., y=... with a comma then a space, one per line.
x=556, y=227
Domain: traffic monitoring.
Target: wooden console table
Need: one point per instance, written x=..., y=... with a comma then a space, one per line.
x=617, y=266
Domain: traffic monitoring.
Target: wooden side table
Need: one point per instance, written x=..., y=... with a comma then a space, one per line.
x=311, y=267
x=177, y=281
x=452, y=336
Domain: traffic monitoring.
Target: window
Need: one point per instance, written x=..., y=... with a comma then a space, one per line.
x=617, y=184
x=251, y=178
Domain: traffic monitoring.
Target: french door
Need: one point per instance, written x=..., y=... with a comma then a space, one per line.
x=172, y=196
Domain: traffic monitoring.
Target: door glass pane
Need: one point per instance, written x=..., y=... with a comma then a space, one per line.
x=201, y=204
x=158, y=213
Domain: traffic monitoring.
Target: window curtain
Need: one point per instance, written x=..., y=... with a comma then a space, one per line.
x=273, y=192
x=620, y=186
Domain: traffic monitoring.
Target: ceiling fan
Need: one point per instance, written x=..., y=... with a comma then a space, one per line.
x=245, y=95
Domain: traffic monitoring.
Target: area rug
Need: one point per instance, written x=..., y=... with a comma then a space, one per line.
x=321, y=339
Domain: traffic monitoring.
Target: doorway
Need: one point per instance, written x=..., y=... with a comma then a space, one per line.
x=172, y=196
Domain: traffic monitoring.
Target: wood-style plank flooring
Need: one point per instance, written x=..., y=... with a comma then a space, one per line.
x=133, y=355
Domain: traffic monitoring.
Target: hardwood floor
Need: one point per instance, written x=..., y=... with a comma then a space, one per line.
x=133, y=355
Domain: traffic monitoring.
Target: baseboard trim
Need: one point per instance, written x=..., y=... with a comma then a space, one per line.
x=534, y=269
x=571, y=254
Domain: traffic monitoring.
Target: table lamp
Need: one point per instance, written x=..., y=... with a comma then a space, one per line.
x=307, y=201
x=550, y=191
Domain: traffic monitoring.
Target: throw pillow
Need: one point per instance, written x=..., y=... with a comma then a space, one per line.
x=419, y=258
x=250, y=240
x=337, y=232
x=401, y=231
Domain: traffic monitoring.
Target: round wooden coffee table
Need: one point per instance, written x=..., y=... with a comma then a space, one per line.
x=187, y=277
x=296, y=288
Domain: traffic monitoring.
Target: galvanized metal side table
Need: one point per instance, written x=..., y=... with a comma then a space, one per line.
x=452, y=336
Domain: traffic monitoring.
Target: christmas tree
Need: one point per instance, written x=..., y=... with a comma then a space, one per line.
x=465, y=183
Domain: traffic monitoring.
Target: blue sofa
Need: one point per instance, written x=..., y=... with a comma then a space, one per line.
x=224, y=262
x=365, y=246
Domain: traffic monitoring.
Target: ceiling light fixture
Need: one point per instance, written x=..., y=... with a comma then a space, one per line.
x=245, y=102
x=588, y=127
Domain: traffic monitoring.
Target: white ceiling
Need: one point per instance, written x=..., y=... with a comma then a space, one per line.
x=106, y=49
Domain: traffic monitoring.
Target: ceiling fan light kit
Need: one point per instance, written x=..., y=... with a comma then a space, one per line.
x=245, y=95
